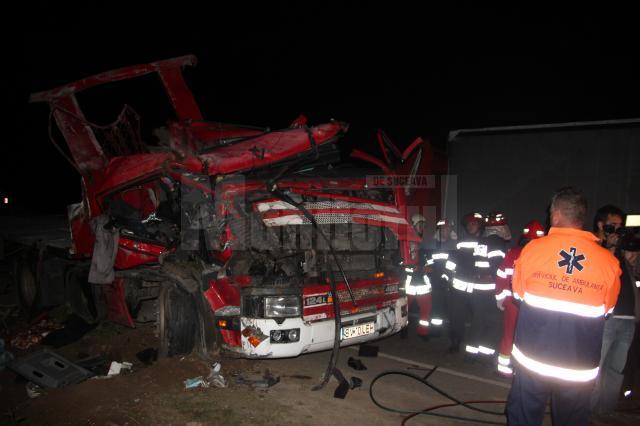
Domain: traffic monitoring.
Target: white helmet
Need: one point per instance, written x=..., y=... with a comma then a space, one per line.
x=416, y=219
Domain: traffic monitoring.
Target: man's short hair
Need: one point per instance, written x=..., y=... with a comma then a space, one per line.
x=572, y=204
x=604, y=212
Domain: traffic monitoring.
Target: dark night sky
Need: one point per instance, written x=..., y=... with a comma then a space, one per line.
x=437, y=71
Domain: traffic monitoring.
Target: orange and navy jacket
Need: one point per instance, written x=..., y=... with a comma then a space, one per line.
x=567, y=283
x=505, y=273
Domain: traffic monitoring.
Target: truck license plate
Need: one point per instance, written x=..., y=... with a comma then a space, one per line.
x=357, y=330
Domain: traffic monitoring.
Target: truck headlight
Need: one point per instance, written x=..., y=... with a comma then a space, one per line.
x=281, y=306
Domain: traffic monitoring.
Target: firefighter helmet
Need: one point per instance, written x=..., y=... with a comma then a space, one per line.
x=533, y=230
x=445, y=222
x=495, y=219
x=416, y=219
x=472, y=217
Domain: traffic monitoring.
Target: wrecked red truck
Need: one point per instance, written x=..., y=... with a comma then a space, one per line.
x=258, y=242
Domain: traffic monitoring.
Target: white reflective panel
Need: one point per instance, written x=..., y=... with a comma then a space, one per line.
x=426, y=280
x=430, y=261
x=482, y=264
x=436, y=321
x=424, y=323
x=516, y=296
x=540, y=233
x=484, y=287
x=407, y=282
x=460, y=285
x=627, y=393
x=564, y=306
x=471, y=349
x=467, y=244
x=440, y=223
x=501, y=273
x=422, y=289
x=440, y=255
x=504, y=293
x=444, y=276
x=409, y=270
x=509, y=271
x=450, y=265
x=525, y=230
x=505, y=369
x=495, y=253
x=504, y=360
x=637, y=283
x=547, y=370
x=485, y=350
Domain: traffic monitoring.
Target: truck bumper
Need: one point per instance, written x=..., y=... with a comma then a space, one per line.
x=318, y=335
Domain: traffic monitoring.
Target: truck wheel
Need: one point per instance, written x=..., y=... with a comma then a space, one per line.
x=80, y=295
x=27, y=287
x=176, y=321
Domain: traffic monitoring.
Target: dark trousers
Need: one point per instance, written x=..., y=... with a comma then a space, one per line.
x=459, y=309
x=529, y=395
x=486, y=320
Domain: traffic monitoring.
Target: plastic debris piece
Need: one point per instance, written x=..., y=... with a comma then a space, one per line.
x=33, y=390
x=196, y=382
x=356, y=364
x=116, y=367
x=215, y=377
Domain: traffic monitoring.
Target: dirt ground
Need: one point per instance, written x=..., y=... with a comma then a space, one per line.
x=147, y=395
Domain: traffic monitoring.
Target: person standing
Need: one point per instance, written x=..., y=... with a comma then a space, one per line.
x=567, y=284
x=620, y=326
x=460, y=272
x=418, y=286
x=504, y=299
x=445, y=240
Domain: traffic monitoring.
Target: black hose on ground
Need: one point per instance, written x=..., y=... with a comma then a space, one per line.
x=427, y=411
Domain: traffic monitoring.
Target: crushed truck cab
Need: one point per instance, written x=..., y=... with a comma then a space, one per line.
x=231, y=237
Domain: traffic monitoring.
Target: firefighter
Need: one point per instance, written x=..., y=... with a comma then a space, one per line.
x=486, y=318
x=445, y=241
x=567, y=283
x=418, y=286
x=504, y=298
x=460, y=272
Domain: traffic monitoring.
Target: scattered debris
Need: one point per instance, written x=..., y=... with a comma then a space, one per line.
x=267, y=380
x=368, y=350
x=214, y=378
x=49, y=370
x=33, y=390
x=148, y=356
x=71, y=330
x=356, y=364
x=116, y=367
x=344, y=385
x=196, y=382
x=34, y=334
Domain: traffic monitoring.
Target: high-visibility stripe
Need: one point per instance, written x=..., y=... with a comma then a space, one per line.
x=516, y=296
x=436, y=321
x=495, y=253
x=485, y=350
x=440, y=256
x=450, y=265
x=471, y=349
x=467, y=244
x=407, y=282
x=418, y=290
x=424, y=323
x=509, y=271
x=637, y=283
x=430, y=261
x=501, y=274
x=482, y=264
x=445, y=277
x=564, y=306
x=504, y=360
x=409, y=270
x=461, y=285
x=568, y=374
x=504, y=369
x=484, y=287
x=339, y=204
x=426, y=280
x=504, y=293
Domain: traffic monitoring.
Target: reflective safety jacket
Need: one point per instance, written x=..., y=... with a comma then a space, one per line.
x=505, y=273
x=473, y=265
x=567, y=283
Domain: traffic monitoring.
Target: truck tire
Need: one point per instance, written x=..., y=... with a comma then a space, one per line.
x=177, y=323
x=80, y=295
x=28, y=287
